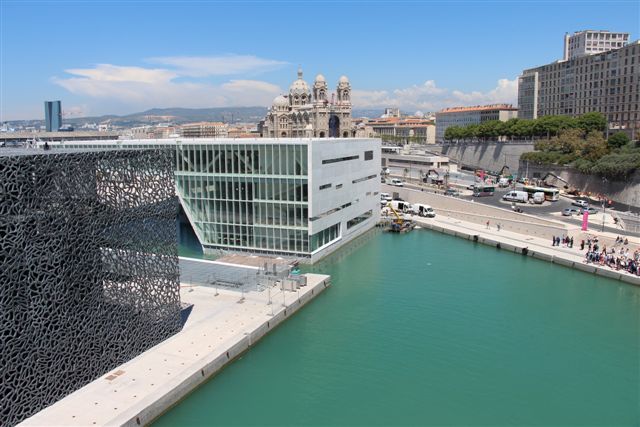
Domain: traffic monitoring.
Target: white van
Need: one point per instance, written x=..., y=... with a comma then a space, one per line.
x=423, y=210
x=401, y=206
x=538, y=197
x=397, y=182
x=385, y=198
x=516, y=196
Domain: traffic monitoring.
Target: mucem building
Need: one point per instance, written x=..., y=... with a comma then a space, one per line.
x=88, y=268
x=301, y=197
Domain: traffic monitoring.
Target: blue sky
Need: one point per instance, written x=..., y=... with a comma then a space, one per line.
x=118, y=57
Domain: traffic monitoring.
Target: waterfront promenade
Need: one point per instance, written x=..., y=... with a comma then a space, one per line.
x=222, y=325
x=533, y=246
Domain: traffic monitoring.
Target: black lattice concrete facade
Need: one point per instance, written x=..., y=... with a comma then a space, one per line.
x=89, y=274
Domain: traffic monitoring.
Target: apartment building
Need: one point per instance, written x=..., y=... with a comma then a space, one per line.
x=607, y=82
x=463, y=116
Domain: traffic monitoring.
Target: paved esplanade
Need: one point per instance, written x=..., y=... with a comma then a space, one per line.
x=222, y=325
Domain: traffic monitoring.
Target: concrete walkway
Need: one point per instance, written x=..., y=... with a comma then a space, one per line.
x=515, y=242
x=223, y=324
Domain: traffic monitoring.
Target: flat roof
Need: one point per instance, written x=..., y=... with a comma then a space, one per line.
x=205, y=141
x=44, y=135
x=23, y=151
x=479, y=108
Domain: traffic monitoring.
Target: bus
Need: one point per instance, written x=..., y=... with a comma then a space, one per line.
x=550, y=194
x=484, y=190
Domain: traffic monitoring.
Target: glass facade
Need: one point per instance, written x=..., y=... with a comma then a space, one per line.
x=251, y=196
x=325, y=236
x=52, y=115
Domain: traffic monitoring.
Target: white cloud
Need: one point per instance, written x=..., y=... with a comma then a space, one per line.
x=202, y=66
x=429, y=97
x=139, y=87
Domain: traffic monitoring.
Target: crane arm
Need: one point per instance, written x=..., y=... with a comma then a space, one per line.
x=399, y=219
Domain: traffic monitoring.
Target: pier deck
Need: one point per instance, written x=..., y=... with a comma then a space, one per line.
x=220, y=328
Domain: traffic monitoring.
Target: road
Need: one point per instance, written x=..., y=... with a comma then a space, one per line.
x=549, y=210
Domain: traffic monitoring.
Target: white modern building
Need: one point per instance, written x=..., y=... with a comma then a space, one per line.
x=292, y=196
x=589, y=42
x=463, y=116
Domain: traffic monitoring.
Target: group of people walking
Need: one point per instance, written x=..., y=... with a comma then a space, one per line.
x=566, y=241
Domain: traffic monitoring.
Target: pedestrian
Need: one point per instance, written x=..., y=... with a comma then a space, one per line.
x=571, y=242
x=498, y=227
x=554, y=241
x=487, y=225
x=582, y=245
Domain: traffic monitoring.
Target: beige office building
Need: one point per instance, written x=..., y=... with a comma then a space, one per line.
x=607, y=82
x=205, y=130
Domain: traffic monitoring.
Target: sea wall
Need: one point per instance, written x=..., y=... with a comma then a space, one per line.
x=485, y=155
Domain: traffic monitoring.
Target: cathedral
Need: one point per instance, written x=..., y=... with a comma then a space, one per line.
x=309, y=112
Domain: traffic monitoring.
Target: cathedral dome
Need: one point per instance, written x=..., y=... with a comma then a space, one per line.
x=343, y=79
x=280, y=101
x=299, y=87
x=320, y=78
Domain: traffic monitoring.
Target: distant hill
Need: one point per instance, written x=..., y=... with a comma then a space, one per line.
x=182, y=115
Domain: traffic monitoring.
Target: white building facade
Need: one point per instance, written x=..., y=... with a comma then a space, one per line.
x=294, y=197
x=589, y=42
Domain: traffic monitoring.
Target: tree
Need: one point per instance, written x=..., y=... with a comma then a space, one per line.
x=592, y=121
x=617, y=140
x=594, y=146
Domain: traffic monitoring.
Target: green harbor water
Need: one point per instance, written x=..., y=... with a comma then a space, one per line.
x=428, y=329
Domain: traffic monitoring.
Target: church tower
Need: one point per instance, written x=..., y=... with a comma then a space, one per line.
x=320, y=89
x=344, y=90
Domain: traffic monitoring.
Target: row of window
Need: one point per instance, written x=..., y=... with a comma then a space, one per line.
x=360, y=218
x=325, y=236
x=253, y=237
x=264, y=159
x=247, y=213
x=242, y=188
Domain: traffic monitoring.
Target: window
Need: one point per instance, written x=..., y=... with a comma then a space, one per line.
x=339, y=159
x=322, y=187
x=360, y=218
x=338, y=186
x=325, y=236
x=368, y=155
x=355, y=181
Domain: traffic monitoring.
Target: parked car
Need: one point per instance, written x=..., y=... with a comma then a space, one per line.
x=397, y=182
x=589, y=209
x=581, y=203
x=452, y=192
x=471, y=187
x=570, y=211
